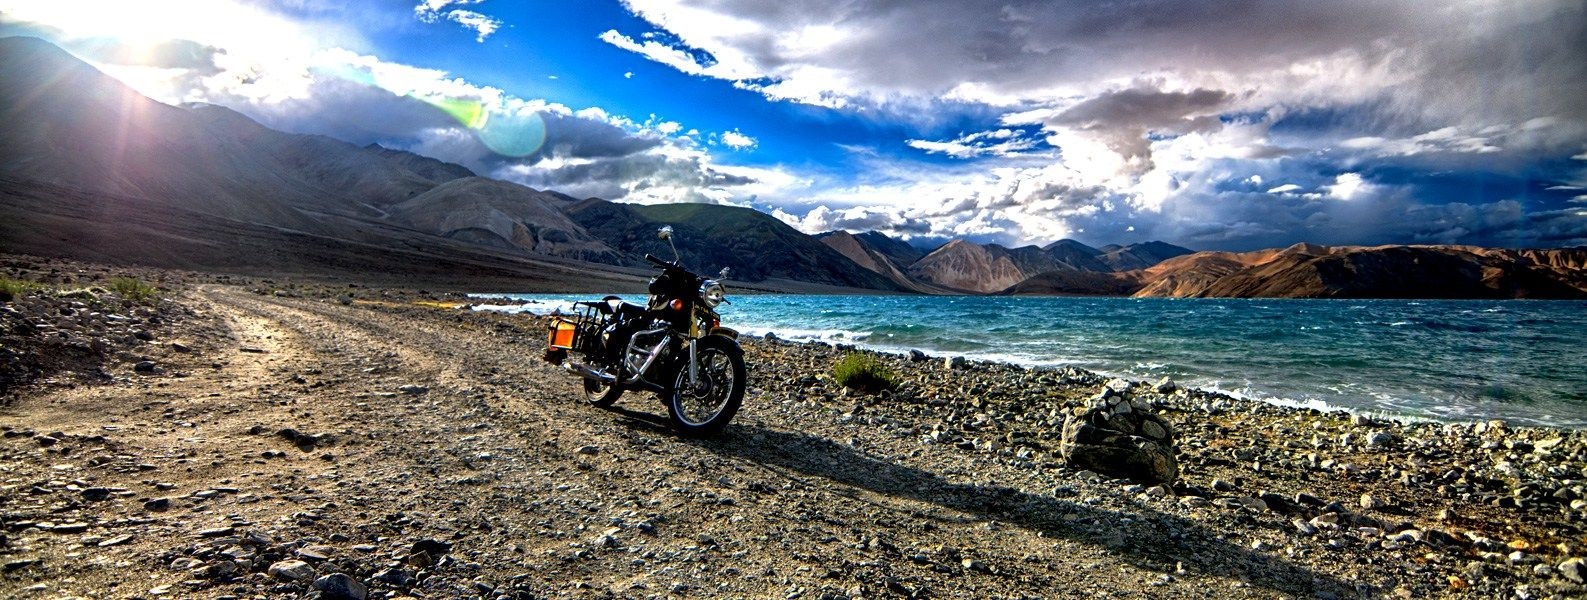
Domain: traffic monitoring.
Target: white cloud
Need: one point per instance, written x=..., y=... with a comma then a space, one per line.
x=999, y=142
x=655, y=51
x=1582, y=156
x=1284, y=189
x=427, y=9
x=736, y=140
x=1447, y=139
x=1347, y=186
x=430, y=11
x=481, y=24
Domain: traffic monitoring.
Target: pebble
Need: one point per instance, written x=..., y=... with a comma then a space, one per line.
x=216, y=532
x=291, y=571
x=1370, y=502
x=1379, y=439
x=1010, y=418
x=116, y=541
x=339, y=586
x=1574, y=569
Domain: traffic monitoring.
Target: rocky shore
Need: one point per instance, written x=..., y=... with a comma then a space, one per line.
x=259, y=438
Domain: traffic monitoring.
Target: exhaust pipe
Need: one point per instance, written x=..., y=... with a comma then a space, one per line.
x=589, y=373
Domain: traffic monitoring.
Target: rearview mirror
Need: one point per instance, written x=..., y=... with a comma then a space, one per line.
x=665, y=233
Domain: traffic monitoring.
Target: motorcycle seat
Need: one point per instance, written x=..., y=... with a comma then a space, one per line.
x=613, y=305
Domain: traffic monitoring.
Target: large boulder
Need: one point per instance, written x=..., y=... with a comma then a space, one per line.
x=1119, y=436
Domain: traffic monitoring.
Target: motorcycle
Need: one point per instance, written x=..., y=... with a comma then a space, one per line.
x=674, y=346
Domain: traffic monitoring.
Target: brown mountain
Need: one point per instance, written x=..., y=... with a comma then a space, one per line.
x=860, y=250
x=1071, y=255
x=1076, y=283
x=968, y=266
x=900, y=251
x=1310, y=271
x=990, y=268
x=756, y=246
x=91, y=169
x=1139, y=256
x=502, y=215
x=69, y=124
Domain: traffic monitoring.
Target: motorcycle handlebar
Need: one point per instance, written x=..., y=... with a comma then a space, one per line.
x=658, y=262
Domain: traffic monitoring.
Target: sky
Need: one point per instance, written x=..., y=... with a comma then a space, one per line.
x=1210, y=124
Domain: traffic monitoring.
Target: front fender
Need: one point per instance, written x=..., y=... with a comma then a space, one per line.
x=730, y=334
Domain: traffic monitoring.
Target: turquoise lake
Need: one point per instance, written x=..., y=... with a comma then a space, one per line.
x=1463, y=360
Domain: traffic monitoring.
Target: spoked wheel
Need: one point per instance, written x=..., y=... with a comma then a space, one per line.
x=704, y=407
x=600, y=393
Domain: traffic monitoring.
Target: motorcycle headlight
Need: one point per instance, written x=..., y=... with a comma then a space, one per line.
x=712, y=293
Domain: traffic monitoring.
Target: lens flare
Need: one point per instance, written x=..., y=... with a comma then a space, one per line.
x=513, y=134
x=507, y=132
x=470, y=113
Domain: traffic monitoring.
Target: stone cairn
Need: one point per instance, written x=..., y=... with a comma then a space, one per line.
x=1119, y=436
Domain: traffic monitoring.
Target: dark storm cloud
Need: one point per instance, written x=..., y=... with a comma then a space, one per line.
x=639, y=177
x=1126, y=119
x=1320, y=101
x=363, y=114
x=348, y=111
x=931, y=46
x=574, y=136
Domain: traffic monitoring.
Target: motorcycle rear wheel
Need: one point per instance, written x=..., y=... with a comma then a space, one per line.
x=705, y=409
x=601, y=394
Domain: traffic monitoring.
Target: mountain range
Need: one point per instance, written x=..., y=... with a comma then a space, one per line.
x=90, y=169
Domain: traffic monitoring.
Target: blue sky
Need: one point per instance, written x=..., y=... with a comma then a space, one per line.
x=1206, y=124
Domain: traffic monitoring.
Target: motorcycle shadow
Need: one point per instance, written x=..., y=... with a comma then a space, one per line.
x=656, y=423
x=1151, y=539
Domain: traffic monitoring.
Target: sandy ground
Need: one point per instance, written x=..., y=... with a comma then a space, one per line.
x=424, y=451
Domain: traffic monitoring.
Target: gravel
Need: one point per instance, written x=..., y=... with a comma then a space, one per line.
x=499, y=481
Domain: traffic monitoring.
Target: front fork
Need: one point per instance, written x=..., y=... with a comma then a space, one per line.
x=694, y=361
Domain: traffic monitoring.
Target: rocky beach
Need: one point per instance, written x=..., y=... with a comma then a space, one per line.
x=250, y=437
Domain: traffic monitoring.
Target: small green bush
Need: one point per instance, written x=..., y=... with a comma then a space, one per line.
x=133, y=289
x=864, y=372
x=11, y=288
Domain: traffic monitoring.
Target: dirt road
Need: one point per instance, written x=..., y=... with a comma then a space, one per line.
x=427, y=452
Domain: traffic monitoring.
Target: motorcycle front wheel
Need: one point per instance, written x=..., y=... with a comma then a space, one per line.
x=704, y=407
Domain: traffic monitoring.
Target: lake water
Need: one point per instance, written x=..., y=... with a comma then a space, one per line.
x=1520, y=361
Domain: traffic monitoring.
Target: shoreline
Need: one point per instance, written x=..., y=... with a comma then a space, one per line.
x=509, y=304
x=422, y=450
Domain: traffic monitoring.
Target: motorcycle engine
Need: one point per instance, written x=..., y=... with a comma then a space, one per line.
x=643, y=345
